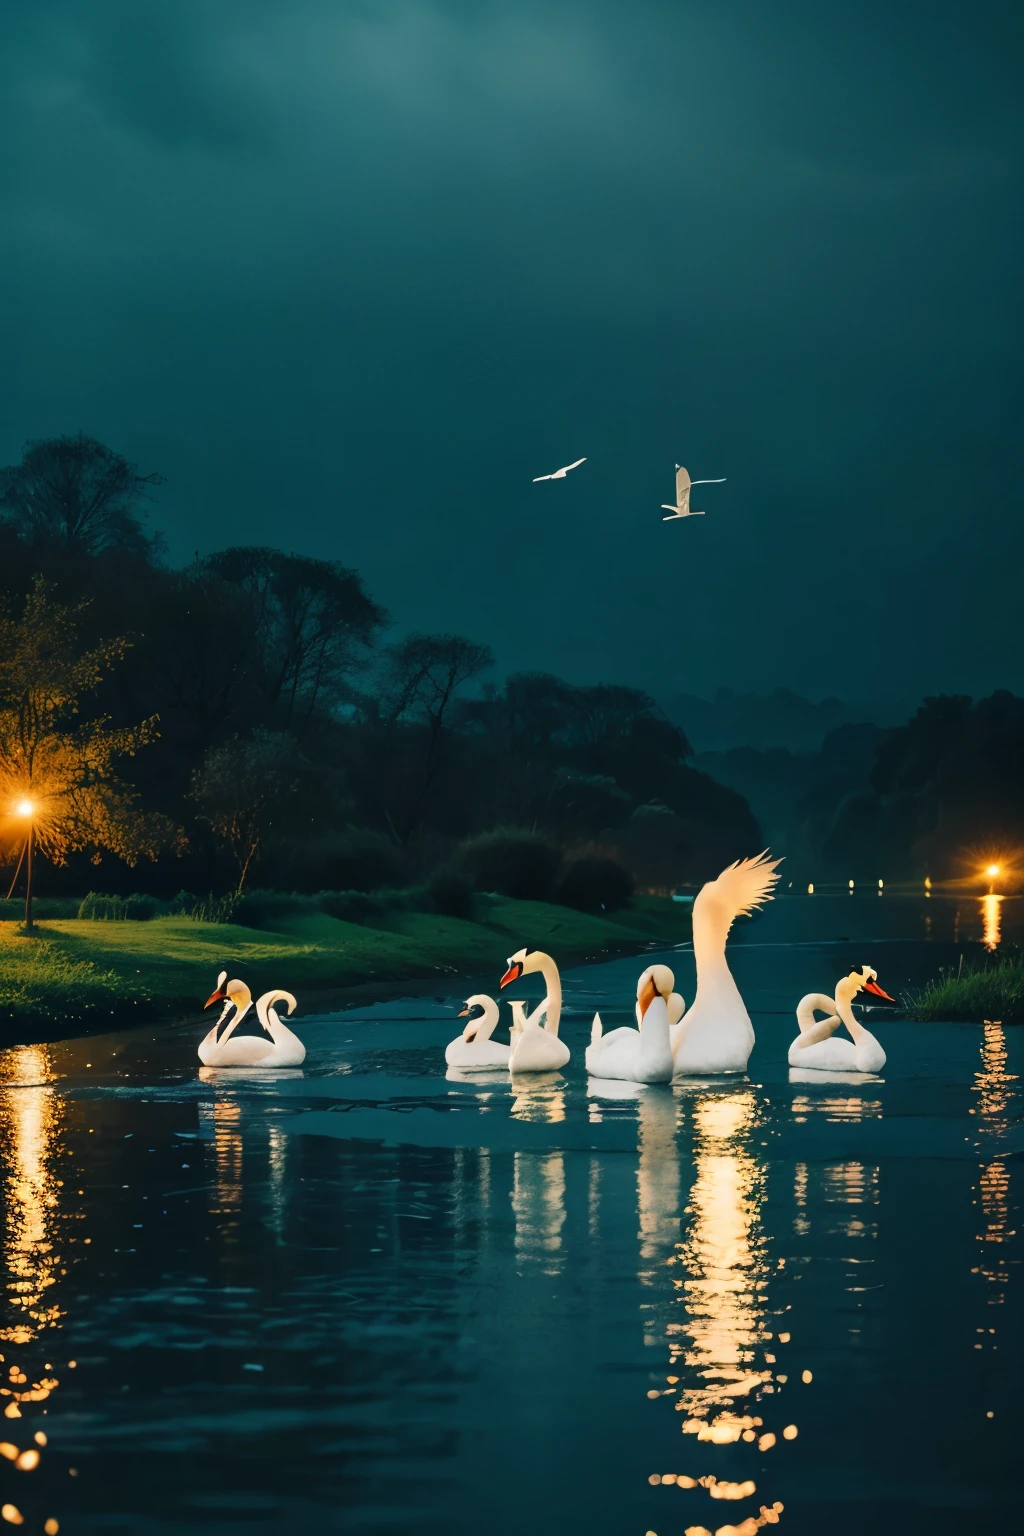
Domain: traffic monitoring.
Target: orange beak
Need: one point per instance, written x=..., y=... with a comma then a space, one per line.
x=512, y=974
x=647, y=996
x=876, y=991
x=217, y=997
x=463, y=1013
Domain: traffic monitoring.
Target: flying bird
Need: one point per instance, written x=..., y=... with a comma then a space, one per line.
x=682, y=507
x=560, y=474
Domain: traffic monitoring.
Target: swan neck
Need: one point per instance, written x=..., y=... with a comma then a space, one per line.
x=844, y=1008
x=549, y=970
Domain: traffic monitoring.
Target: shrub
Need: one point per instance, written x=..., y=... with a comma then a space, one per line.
x=451, y=892
x=359, y=860
x=594, y=881
x=183, y=904
x=260, y=908
x=512, y=862
x=354, y=906
x=98, y=907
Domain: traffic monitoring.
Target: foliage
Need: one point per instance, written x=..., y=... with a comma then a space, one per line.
x=975, y=993
x=512, y=862
x=594, y=881
x=66, y=772
x=75, y=496
x=97, y=907
x=315, y=623
x=361, y=860
x=451, y=892
x=241, y=787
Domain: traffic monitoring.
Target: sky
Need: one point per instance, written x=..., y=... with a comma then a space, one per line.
x=350, y=274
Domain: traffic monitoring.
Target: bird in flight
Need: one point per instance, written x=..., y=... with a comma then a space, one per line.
x=682, y=507
x=560, y=474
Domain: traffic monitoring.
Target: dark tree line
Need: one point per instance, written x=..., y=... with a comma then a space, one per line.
x=295, y=739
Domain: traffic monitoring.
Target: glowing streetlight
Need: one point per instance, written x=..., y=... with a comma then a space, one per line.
x=992, y=871
x=26, y=809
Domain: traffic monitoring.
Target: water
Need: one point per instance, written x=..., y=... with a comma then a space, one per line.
x=362, y=1297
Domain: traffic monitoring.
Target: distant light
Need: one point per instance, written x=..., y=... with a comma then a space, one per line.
x=927, y=883
x=25, y=808
x=993, y=870
x=881, y=885
x=851, y=885
x=810, y=889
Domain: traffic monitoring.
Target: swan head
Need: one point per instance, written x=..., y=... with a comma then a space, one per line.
x=523, y=963
x=230, y=991
x=864, y=980
x=656, y=981
x=482, y=1015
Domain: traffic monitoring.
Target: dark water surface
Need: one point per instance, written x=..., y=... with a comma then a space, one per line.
x=363, y=1297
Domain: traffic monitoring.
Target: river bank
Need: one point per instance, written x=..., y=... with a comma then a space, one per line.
x=75, y=976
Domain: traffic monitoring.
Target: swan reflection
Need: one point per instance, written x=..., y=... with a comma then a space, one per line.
x=538, y=1178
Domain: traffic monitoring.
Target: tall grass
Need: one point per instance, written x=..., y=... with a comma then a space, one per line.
x=976, y=993
x=41, y=982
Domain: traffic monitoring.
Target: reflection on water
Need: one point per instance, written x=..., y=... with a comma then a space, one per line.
x=538, y=1179
x=31, y=1118
x=992, y=1084
x=658, y=1203
x=724, y=1256
x=991, y=918
x=831, y=1184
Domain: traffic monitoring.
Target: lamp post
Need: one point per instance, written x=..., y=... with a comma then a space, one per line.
x=26, y=809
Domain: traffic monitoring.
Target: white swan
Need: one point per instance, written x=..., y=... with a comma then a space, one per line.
x=536, y=1047
x=272, y=1045
x=815, y=1047
x=644, y=1054
x=474, y=1047
x=716, y=1035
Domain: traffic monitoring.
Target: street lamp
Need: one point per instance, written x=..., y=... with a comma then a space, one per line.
x=27, y=810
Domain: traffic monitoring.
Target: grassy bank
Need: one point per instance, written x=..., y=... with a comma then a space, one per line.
x=79, y=975
x=977, y=993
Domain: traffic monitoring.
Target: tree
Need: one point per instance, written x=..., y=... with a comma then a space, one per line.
x=242, y=787
x=316, y=623
x=420, y=680
x=59, y=791
x=76, y=496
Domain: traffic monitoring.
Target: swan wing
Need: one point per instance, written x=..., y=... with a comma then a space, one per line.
x=739, y=890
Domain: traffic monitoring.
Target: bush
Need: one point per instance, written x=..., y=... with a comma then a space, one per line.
x=594, y=882
x=43, y=907
x=451, y=892
x=512, y=862
x=355, y=906
x=98, y=907
x=183, y=904
x=259, y=908
x=359, y=860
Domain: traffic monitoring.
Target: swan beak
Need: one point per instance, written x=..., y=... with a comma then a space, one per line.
x=876, y=991
x=463, y=1013
x=648, y=993
x=217, y=997
x=512, y=974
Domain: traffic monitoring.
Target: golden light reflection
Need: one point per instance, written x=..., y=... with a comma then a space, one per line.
x=992, y=921
x=658, y=1200
x=224, y=1120
x=31, y=1117
x=726, y=1263
x=992, y=1084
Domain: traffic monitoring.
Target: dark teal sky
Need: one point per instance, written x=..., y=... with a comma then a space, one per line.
x=351, y=274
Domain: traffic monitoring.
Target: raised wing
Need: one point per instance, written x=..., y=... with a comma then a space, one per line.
x=683, y=484
x=574, y=466
x=538, y=478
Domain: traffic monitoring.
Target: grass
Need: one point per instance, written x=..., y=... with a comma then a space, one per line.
x=78, y=973
x=977, y=993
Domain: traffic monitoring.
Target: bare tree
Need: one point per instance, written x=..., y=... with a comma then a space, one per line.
x=316, y=623
x=242, y=787
x=76, y=495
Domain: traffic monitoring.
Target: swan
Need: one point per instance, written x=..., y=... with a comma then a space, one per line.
x=536, y=1047
x=474, y=1047
x=814, y=1046
x=644, y=1054
x=266, y=1041
x=716, y=1035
